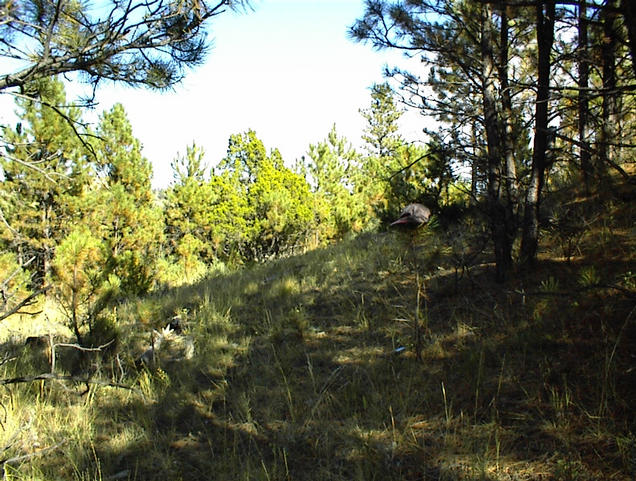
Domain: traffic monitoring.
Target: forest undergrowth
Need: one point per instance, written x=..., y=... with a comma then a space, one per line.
x=388, y=356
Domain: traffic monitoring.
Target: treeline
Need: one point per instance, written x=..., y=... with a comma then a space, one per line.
x=79, y=212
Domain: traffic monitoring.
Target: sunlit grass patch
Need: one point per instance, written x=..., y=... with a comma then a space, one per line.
x=51, y=437
x=47, y=320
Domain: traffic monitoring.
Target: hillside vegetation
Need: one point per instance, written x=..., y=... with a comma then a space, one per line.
x=387, y=356
x=256, y=319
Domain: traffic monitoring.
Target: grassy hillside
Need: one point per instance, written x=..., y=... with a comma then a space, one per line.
x=385, y=357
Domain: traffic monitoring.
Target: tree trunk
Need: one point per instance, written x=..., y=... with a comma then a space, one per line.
x=583, y=100
x=47, y=241
x=510, y=186
x=497, y=210
x=476, y=166
x=609, y=115
x=510, y=178
x=628, y=9
x=545, y=39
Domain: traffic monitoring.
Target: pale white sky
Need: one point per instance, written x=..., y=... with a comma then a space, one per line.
x=285, y=70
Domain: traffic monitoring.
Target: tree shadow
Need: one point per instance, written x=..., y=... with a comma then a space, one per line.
x=305, y=382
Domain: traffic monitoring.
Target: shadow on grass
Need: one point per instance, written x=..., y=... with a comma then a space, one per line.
x=511, y=386
x=296, y=375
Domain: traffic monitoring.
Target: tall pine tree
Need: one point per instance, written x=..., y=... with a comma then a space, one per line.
x=47, y=170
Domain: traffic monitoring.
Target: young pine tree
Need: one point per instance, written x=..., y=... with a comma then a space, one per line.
x=187, y=214
x=278, y=209
x=129, y=221
x=82, y=285
x=338, y=181
x=385, y=150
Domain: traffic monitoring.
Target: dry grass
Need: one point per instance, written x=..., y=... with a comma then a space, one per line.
x=307, y=368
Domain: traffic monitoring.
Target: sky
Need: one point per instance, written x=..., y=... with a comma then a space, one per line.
x=284, y=68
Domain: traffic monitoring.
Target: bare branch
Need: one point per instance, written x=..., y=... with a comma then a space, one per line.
x=33, y=165
x=86, y=349
x=25, y=302
x=58, y=377
x=34, y=454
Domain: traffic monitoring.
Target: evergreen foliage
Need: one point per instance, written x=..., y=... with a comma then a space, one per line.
x=139, y=43
x=396, y=172
x=15, y=283
x=46, y=173
x=498, y=80
x=320, y=356
x=188, y=212
x=278, y=211
x=334, y=171
x=128, y=219
x=82, y=285
x=385, y=148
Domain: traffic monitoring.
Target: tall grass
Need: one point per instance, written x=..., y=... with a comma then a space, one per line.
x=370, y=359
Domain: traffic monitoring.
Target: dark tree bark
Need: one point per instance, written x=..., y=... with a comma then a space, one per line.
x=545, y=12
x=498, y=214
x=510, y=184
x=475, y=166
x=506, y=103
x=628, y=9
x=583, y=99
x=609, y=114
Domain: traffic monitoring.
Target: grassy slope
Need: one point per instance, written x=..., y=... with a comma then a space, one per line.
x=295, y=374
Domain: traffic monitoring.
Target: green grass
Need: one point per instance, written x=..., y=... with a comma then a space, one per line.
x=296, y=375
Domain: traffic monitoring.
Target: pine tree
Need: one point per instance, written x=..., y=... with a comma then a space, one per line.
x=188, y=213
x=130, y=222
x=278, y=208
x=15, y=292
x=381, y=134
x=466, y=68
x=229, y=217
x=338, y=182
x=283, y=208
x=385, y=183
x=206, y=219
x=46, y=172
x=493, y=76
x=147, y=43
x=80, y=277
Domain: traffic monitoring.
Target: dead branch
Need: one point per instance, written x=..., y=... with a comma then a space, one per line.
x=54, y=346
x=25, y=302
x=58, y=377
x=85, y=349
x=24, y=457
